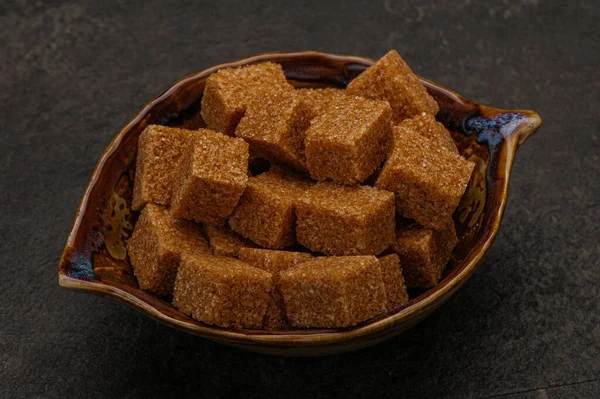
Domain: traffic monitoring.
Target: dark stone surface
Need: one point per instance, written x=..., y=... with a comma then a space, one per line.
x=527, y=325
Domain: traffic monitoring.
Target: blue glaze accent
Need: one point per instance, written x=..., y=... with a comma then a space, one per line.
x=81, y=267
x=492, y=130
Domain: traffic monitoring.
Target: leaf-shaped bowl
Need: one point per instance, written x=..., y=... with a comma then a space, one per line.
x=95, y=257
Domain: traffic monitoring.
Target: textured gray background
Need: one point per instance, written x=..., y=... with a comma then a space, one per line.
x=526, y=325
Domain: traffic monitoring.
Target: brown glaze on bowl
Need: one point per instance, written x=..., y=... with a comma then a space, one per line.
x=95, y=256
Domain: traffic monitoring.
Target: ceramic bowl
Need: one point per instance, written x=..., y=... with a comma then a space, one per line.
x=95, y=257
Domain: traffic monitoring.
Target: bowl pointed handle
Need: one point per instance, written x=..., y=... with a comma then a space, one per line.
x=494, y=125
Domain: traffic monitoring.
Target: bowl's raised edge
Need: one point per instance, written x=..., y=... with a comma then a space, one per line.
x=282, y=339
x=291, y=339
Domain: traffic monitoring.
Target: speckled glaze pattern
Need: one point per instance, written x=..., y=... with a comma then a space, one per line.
x=95, y=259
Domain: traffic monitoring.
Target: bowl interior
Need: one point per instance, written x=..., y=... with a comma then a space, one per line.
x=95, y=257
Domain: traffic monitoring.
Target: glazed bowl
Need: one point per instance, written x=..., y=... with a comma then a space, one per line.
x=95, y=257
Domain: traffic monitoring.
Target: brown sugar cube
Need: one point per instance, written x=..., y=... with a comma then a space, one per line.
x=265, y=213
x=159, y=153
x=224, y=242
x=345, y=220
x=393, y=280
x=211, y=178
x=330, y=292
x=424, y=253
x=391, y=79
x=156, y=246
x=426, y=125
x=274, y=262
x=275, y=126
x=349, y=141
x=318, y=100
x=221, y=291
x=229, y=90
x=428, y=180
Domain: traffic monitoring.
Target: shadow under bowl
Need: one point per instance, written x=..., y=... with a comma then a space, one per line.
x=95, y=257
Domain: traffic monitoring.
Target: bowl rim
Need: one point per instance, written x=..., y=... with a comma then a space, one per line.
x=434, y=296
